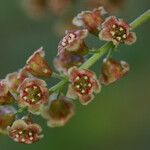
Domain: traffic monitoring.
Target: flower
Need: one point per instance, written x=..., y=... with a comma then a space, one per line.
x=73, y=42
x=67, y=60
x=5, y=96
x=6, y=117
x=33, y=93
x=37, y=65
x=90, y=19
x=83, y=84
x=25, y=133
x=117, y=31
x=14, y=79
x=113, y=70
x=59, y=112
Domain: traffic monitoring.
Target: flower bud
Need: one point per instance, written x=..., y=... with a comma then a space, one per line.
x=37, y=65
x=7, y=116
x=90, y=20
x=59, y=112
x=5, y=96
x=113, y=70
x=14, y=79
x=67, y=60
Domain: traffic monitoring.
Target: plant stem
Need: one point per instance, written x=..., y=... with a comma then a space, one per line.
x=141, y=19
x=20, y=110
x=103, y=50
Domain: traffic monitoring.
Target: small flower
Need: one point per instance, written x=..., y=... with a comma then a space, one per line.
x=83, y=84
x=90, y=19
x=14, y=79
x=117, y=31
x=5, y=96
x=6, y=117
x=33, y=93
x=113, y=70
x=67, y=60
x=73, y=42
x=37, y=65
x=25, y=133
x=59, y=112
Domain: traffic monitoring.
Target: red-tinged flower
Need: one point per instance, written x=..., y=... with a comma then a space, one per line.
x=117, y=31
x=90, y=19
x=7, y=116
x=14, y=79
x=73, y=42
x=113, y=70
x=59, y=112
x=5, y=96
x=67, y=60
x=25, y=133
x=37, y=65
x=83, y=84
x=33, y=93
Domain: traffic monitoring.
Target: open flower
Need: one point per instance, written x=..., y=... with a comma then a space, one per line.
x=83, y=84
x=59, y=112
x=6, y=117
x=90, y=19
x=33, y=93
x=37, y=65
x=113, y=70
x=117, y=31
x=73, y=42
x=14, y=79
x=67, y=60
x=5, y=96
x=25, y=133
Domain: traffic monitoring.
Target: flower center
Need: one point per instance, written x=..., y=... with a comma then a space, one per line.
x=82, y=84
x=118, y=33
x=32, y=94
x=23, y=135
x=68, y=39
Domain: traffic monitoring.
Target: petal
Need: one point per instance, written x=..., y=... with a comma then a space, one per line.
x=105, y=35
x=73, y=73
x=37, y=65
x=109, y=22
x=131, y=38
x=97, y=87
x=19, y=124
x=86, y=99
x=71, y=93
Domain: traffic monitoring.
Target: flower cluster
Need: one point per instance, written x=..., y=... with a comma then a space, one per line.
x=23, y=93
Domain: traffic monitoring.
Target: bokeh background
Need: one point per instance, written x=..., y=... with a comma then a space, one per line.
x=118, y=118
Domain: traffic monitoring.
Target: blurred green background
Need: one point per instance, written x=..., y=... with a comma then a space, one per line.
x=118, y=118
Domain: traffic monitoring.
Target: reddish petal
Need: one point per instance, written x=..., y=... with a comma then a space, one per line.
x=86, y=99
x=71, y=93
x=131, y=38
x=109, y=22
x=105, y=35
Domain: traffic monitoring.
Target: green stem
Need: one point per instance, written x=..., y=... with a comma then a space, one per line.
x=141, y=19
x=21, y=110
x=103, y=50
x=58, y=86
x=92, y=60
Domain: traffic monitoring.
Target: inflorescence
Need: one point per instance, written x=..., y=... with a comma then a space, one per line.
x=24, y=94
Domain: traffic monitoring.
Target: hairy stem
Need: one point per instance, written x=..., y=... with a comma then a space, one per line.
x=103, y=50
